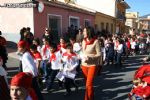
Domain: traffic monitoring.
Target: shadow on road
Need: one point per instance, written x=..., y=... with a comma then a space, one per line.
x=113, y=84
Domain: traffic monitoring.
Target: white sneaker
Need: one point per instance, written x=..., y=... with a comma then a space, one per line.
x=44, y=81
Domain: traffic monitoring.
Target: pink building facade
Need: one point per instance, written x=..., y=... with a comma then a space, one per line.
x=56, y=15
x=59, y=16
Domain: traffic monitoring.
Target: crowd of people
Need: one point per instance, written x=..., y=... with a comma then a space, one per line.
x=42, y=60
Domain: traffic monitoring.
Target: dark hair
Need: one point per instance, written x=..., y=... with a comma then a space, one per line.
x=33, y=47
x=101, y=42
x=69, y=46
x=63, y=39
x=73, y=39
x=53, y=45
x=28, y=28
x=120, y=41
x=90, y=32
x=80, y=29
x=46, y=39
x=37, y=40
x=0, y=33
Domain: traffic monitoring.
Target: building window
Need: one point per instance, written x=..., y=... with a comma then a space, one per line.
x=55, y=23
x=74, y=21
x=107, y=27
x=102, y=26
x=87, y=22
x=111, y=28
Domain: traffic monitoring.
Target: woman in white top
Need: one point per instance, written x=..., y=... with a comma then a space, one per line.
x=119, y=52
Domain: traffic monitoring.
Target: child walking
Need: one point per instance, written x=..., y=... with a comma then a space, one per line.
x=56, y=65
x=71, y=61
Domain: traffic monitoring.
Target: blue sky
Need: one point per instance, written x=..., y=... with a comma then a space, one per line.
x=141, y=6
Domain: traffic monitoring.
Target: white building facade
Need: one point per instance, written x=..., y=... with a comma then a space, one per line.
x=107, y=7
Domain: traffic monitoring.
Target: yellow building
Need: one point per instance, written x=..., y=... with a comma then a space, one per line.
x=132, y=22
x=105, y=23
x=120, y=16
x=145, y=23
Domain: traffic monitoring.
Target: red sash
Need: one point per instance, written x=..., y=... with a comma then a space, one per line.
x=69, y=56
x=89, y=42
x=52, y=57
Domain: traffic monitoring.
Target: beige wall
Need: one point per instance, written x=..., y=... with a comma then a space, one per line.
x=13, y=19
x=102, y=18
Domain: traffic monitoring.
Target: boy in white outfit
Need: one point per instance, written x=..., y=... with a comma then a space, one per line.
x=70, y=61
x=56, y=65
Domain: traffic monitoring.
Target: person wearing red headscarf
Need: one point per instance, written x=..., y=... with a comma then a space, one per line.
x=21, y=87
x=143, y=71
x=29, y=66
x=90, y=60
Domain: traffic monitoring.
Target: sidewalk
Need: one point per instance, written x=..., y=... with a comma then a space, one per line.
x=12, y=53
x=13, y=58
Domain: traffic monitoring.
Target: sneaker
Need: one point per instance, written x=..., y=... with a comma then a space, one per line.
x=44, y=80
x=47, y=89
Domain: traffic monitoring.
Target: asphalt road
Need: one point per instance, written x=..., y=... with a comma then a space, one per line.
x=114, y=83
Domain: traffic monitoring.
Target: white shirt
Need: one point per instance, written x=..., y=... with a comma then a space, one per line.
x=103, y=51
x=120, y=48
x=47, y=53
x=76, y=47
x=56, y=64
x=133, y=44
x=70, y=63
x=28, y=64
x=3, y=73
x=63, y=50
x=39, y=49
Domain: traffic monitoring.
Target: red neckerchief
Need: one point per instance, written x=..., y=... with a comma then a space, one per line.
x=53, y=56
x=89, y=42
x=37, y=55
x=63, y=45
x=45, y=48
x=69, y=55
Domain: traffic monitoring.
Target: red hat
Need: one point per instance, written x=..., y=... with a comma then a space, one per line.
x=22, y=43
x=22, y=79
